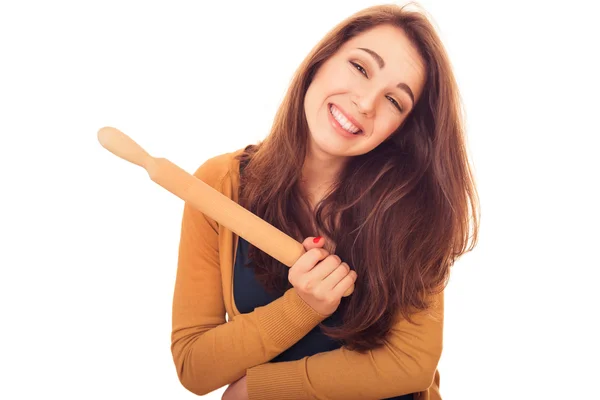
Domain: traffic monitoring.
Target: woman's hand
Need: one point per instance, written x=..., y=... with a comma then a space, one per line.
x=321, y=279
x=238, y=390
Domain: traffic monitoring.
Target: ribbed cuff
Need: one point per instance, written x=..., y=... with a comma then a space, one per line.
x=288, y=319
x=277, y=381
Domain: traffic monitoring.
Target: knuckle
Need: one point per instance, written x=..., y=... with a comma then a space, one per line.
x=319, y=253
x=320, y=296
x=334, y=258
x=306, y=286
x=341, y=269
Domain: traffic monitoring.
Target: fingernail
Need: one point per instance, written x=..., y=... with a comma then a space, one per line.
x=316, y=240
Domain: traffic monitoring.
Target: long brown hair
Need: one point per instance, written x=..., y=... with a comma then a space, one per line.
x=405, y=208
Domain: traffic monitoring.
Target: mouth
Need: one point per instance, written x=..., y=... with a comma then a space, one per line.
x=343, y=122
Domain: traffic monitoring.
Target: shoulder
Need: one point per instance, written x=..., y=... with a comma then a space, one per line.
x=218, y=168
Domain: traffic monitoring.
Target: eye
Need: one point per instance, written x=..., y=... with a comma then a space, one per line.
x=364, y=72
x=358, y=67
x=396, y=104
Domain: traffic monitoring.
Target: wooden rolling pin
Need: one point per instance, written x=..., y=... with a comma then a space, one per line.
x=207, y=200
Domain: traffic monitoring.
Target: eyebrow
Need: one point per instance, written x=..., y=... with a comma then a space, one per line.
x=381, y=64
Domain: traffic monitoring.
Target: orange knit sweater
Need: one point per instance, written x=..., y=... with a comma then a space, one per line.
x=210, y=351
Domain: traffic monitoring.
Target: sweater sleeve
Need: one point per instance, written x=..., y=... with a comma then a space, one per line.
x=405, y=363
x=209, y=352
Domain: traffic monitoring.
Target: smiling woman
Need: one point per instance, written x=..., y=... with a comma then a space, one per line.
x=364, y=91
x=366, y=165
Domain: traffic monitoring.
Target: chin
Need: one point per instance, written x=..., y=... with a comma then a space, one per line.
x=328, y=146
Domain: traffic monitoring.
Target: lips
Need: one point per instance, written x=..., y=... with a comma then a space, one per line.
x=348, y=117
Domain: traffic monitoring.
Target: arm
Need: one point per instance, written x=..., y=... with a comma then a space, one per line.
x=208, y=352
x=406, y=363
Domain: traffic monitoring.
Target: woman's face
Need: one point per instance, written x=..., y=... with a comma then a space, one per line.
x=363, y=93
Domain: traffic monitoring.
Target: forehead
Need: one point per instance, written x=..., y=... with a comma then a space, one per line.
x=402, y=60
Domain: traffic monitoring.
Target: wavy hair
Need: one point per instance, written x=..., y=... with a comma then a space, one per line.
x=400, y=215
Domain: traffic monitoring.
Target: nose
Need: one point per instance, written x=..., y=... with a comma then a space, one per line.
x=365, y=104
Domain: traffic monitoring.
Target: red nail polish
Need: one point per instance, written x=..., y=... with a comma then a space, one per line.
x=316, y=240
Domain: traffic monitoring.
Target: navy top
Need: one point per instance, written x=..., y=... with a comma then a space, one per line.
x=248, y=294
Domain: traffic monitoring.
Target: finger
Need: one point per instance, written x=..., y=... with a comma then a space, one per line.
x=343, y=285
x=308, y=260
x=336, y=276
x=325, y=268
x=312, y=242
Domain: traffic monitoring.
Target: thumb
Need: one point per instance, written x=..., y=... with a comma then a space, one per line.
x=312, y=242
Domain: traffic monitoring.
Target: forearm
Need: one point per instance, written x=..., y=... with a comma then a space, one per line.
x=207, y=360
x=405, y=363
x=349, y=376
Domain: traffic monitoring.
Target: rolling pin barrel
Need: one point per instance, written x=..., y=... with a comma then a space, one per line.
x=207, y=200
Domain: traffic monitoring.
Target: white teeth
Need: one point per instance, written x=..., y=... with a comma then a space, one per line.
x=339, y=117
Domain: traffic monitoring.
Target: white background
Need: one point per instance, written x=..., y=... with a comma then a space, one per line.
x=89, y=242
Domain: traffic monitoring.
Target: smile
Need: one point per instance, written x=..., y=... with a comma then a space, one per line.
x=343, y=121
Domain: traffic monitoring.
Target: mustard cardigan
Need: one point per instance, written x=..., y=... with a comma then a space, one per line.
x=210, y=352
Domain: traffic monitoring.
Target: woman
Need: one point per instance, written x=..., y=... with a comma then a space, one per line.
x=366, y=166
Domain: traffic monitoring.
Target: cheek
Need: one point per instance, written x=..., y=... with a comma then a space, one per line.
x=389, y=124
x=332, y=79
x=312, y=98
x=312, y=104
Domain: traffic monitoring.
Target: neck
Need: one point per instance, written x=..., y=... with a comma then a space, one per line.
x=319, y=172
